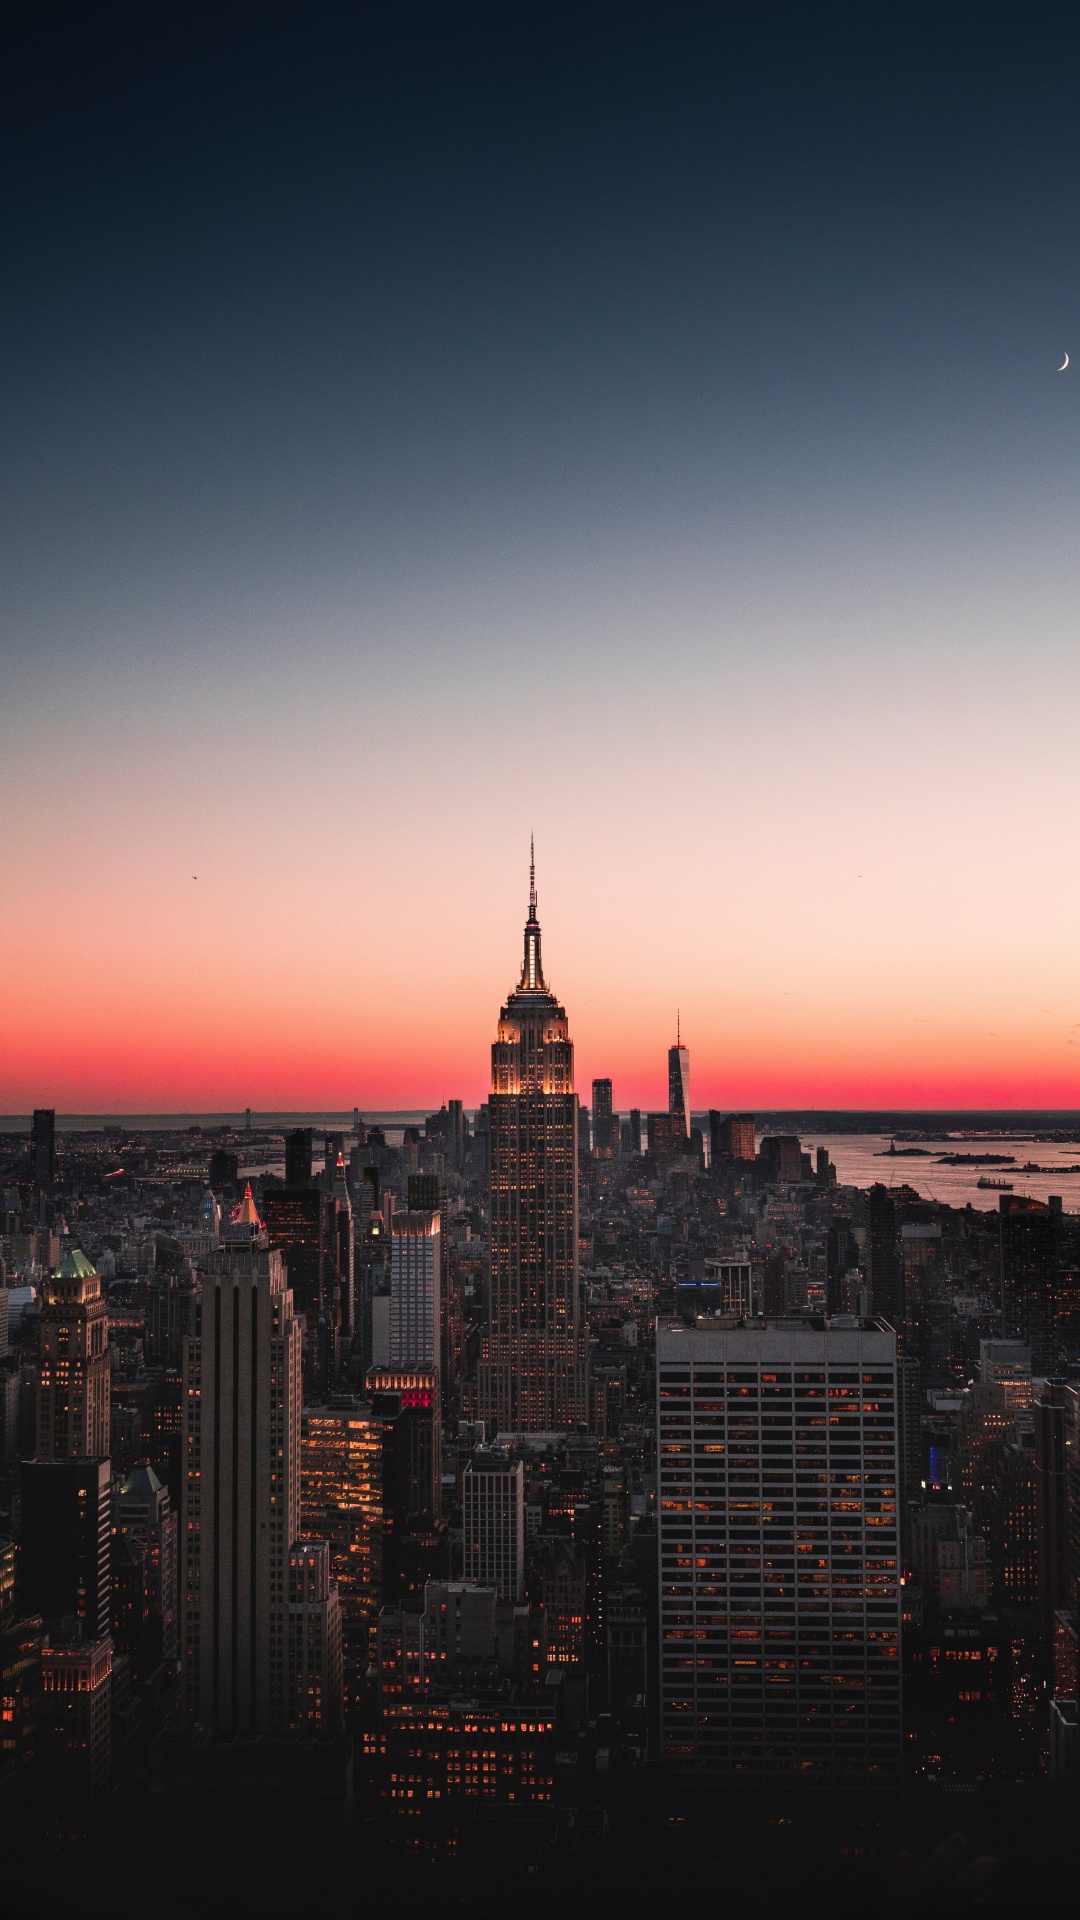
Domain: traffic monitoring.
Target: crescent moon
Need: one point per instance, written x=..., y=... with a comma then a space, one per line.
x=1064, y=364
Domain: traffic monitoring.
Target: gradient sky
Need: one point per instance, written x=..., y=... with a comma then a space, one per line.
x=424, y=424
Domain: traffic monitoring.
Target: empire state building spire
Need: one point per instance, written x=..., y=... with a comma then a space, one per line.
x=532, y=973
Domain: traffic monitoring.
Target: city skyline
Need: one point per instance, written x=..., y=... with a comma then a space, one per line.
x=802, y=1068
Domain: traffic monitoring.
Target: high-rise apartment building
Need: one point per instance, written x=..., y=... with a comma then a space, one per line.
x=605, y=1126
x=242, y=1496
x=494, y=1516
x=532, y=1374
x=779, y=1553
x=73, y=1364
x=64, y=1545
x=416, y=1290
x=43, y=1147
x=1029, y=1239
x=678, y=1072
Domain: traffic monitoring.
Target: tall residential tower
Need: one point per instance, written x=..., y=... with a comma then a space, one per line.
x=533, y=1365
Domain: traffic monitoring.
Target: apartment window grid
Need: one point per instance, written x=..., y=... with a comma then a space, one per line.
x=494, y=1530
x=415, y=1291
x=779, y=1570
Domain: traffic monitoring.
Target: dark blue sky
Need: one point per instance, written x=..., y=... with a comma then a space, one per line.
x=671, y=389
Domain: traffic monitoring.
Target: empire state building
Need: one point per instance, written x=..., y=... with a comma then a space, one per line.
x=532, y=1363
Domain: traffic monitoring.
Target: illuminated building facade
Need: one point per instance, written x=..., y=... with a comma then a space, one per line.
x=779, y=1587
x=73, y=1364
x=409, y=1405
x=341, y=1501
x=436, y=1751
x=532, y=1374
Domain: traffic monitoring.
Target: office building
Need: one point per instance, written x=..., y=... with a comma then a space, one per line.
x=64, y=1544
x=242, y=1496
x=494, y=1517
x=410, y=1405
x=841, y=1259
x=533, y=1364
x=635, y=1129
x=73, y=1365
x=1007, y=1364
x=886, y=1260
x=74, y=1740
x=605, y=1126
x=314, y=1655
x=780, y=1158
x=145, y=1570
x=733, y=1285
x=43, y=1148
x=1029, y=1244
x=415, y=1290
x=341, y=1501
x=731, y=1136
x=661, y=1136
x=678, y=1068
x=300, y=1221
x=779, y=1553
x=298, y=1157
x=1057, y=1431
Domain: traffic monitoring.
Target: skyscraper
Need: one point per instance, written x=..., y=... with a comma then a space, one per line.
x=779, y=1553
x=64, y=1547
x=678, y=1079
x=73, y=1366
x=731, y=1136
x=342, y=1502
x=886, y=1259
x=532, y=1374
x=242, y=1500
x=298, y=1157
x=605, y=1132
x=144, y=1538
x=416, y=1290
x=1030, y=1232
x=43, y=1147
x=494, y=1523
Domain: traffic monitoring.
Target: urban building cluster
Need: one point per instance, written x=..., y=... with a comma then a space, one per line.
x=547, y=1443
